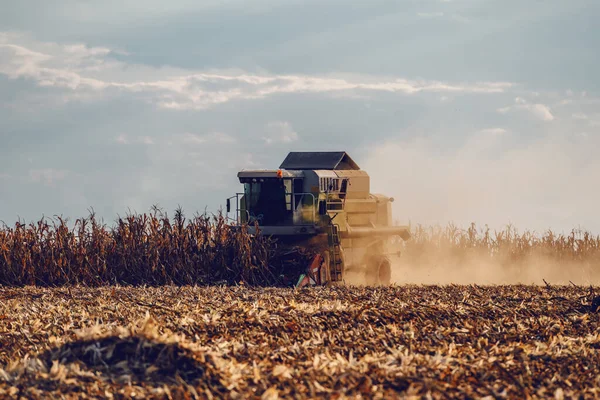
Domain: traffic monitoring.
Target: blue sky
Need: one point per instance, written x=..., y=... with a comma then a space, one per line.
x=484, y=111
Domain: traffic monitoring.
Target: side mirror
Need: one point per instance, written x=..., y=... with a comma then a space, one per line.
x=228, y=205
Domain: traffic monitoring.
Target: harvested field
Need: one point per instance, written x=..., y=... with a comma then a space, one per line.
x=336, y=342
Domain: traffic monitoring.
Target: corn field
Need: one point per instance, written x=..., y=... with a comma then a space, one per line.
x=140, y=249
x=153, y=249
x=507, y=244
x=453, y=255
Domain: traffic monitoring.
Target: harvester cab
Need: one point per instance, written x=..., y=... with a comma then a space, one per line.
x=321, y=201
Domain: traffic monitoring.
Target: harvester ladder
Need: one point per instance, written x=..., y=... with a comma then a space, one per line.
x=335, y=246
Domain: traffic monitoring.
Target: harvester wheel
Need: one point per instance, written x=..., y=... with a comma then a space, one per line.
x=379, y=272
x=385, y=271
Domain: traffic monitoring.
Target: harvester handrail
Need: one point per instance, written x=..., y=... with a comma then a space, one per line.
x=314, y=215
x=238, y=209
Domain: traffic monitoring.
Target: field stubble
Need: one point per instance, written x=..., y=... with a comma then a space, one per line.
x=337, y=342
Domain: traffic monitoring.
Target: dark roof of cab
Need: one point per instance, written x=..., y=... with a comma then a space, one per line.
x=338, y=160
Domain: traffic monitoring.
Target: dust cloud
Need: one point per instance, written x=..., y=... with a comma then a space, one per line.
x=432, y=265
x=495, y=180
x=483, y=271
x=492, y=178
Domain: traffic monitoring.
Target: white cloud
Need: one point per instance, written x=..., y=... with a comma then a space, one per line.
x=61, y=69
x=279, y=132
x=213, y=137
x=124, y=139
x=540, y=111
x=78, y=68
x=147, y=140
x=82, y=52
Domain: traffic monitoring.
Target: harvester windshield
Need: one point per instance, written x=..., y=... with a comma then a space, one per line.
x=269, y=201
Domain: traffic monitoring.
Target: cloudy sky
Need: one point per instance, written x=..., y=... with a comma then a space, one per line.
x=463, y=110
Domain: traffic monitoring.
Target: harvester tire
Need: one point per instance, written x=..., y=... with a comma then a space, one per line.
x=384, y=272
x=378, y=272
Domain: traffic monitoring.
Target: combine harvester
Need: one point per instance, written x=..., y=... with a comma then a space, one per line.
x=321, y=201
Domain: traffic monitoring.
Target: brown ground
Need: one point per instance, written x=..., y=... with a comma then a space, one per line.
x=446, y=341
